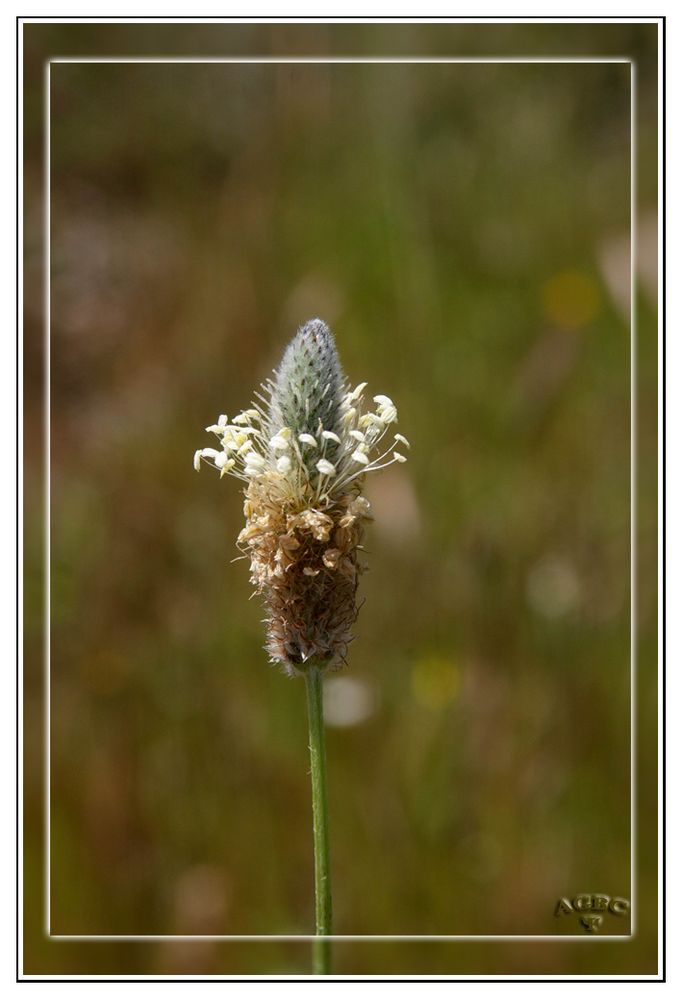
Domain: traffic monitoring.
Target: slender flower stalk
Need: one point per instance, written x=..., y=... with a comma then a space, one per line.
x=321, y=841
x=303, y=450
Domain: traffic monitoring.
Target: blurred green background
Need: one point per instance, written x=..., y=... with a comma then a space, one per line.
x=464, y=229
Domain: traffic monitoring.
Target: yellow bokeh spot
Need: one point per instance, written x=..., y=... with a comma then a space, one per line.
x=571, y=299
x=435, y=681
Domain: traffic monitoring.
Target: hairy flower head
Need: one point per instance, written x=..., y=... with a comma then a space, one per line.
x=302, y=451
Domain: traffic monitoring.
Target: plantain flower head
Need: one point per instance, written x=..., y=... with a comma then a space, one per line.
x=302, y=451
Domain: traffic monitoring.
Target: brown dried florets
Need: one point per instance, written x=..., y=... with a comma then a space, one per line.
x=305, y=564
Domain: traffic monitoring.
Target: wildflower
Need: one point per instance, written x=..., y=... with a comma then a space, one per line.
x=303, y=450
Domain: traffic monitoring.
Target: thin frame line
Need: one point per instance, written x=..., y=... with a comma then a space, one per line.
x=340, y=937
x=344, y=60
x=633, y=486
x=48, y=496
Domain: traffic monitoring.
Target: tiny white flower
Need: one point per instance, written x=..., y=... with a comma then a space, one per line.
x=229, y=441
x=325, y=468
x=279, y=442
x=254, y=463
x=383, y=401
x=370, y=420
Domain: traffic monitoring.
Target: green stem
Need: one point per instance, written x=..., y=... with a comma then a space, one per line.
x=321, y=845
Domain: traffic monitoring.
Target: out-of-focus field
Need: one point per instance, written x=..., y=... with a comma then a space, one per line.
x=464, y=229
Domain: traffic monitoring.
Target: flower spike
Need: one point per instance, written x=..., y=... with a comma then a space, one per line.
x=303, y=456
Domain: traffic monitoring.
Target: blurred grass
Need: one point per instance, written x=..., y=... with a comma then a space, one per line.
x=464, y=229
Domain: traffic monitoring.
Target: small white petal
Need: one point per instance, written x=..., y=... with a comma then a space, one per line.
x=308, y=439
x=331, y=436
x=197, y=461
x=388, y=414
x=383, y=401
x=227, y=466
x=399, y=458
x=370, y=420
x=279, y=443
x=358, y=456
x=220, y=460
x=222, y=420
x=284, y=464
x=325, y=468
x=210, y=453
x=403, y=440
x=358, y=435
x=241, y=418
x=215, y=429
x=228, y=441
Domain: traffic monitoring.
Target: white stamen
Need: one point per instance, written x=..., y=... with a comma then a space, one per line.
x=254, y=463
x=400, y=458
x=331, y=436
x=403, y=440
x=197, y=462
x=358, y=456
x=308, y=439
x=279, y=443
x=383, y=401
x=325, y=468
x=284, y=464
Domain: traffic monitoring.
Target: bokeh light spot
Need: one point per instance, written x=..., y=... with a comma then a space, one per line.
x=349, y=701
